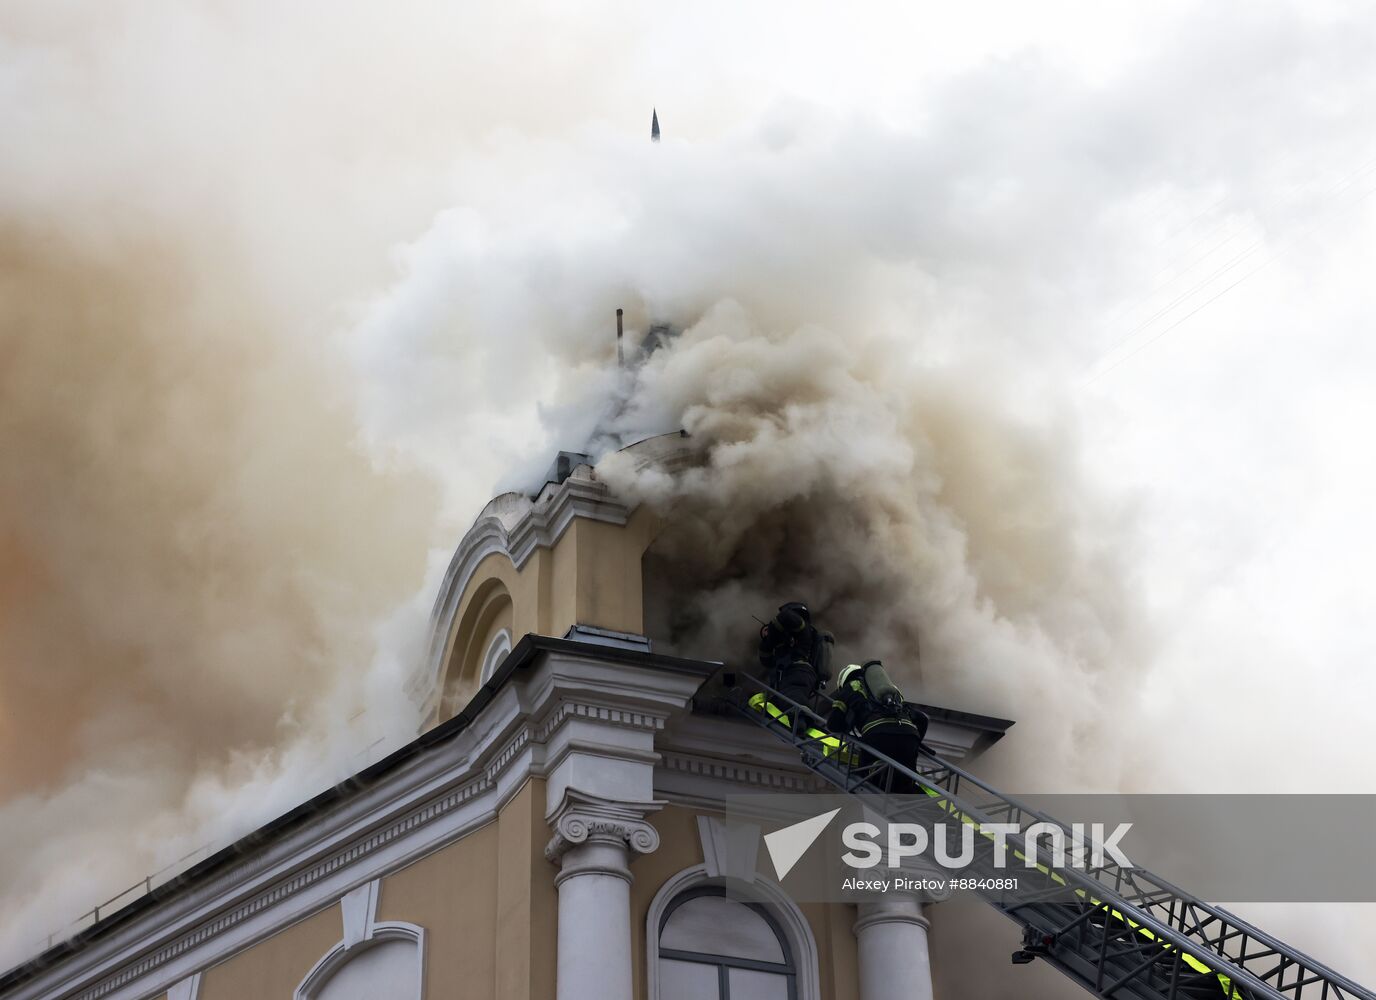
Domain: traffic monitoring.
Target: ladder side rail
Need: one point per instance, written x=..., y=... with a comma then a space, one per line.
x=1232, y=921
x=954, y=774
x=1080, y=966
x=1246, y=987
x=1108, y=898
x=1089, y=881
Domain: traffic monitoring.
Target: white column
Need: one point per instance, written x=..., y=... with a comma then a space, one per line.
x=892, y=936
x=592, y=845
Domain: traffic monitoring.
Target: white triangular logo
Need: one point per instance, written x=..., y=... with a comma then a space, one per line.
x=786, y=846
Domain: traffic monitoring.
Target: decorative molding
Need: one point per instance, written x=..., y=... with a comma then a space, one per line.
x=729, y=849
x=487, y=537
x=284, y=890
x=512, y=749
x=607, y=715
x=739, y=773
x=581, y=818
x=433, y=800
x=451, y=811
x=188, y=989
x=362, y=931
x=496, y=652
x=359, y=909
x=525, y=528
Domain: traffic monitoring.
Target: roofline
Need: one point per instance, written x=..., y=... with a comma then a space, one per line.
x=987, y=723
x=520, y=657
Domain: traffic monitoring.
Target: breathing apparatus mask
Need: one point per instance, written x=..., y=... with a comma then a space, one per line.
x=793, y=617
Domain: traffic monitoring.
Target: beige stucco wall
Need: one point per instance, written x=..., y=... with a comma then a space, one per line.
x=452, y=894
x=489, y=909
x=275, y=967
x=487, y=904
x=591, y=576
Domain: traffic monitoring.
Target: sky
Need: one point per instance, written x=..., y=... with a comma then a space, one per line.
x=291, y=289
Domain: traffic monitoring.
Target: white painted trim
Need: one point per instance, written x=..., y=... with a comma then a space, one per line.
x=729, y=848
x=495, y=654
x=541, y=525
x=571, y=702
x=358, y=910
x=766, y=891
x=341, y=955
x=188, y=989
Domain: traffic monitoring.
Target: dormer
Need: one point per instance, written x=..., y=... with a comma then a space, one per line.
x=567, y=559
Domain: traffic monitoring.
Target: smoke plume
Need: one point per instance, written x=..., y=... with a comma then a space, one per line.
x=280, y=308
x=922, y=523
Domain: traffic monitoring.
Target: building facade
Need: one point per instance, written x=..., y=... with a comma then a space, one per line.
x=555, y=832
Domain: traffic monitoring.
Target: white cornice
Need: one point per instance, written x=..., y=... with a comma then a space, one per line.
x=611, y=715
x=742, y=773
x=563, y=704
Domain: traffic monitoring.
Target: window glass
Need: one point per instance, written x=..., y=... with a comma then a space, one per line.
x=687, y=980
x=751, y=984
x=715, y=925
x=715, y=948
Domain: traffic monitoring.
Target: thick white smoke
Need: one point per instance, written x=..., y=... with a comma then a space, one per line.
x=293, y=303
x=911, y=511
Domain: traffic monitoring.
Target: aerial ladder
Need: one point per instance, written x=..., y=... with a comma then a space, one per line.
x=1117, y=931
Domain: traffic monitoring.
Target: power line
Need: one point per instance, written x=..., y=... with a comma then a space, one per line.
x=1345, y=183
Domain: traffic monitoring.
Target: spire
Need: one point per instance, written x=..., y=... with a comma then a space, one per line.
x=654, y=125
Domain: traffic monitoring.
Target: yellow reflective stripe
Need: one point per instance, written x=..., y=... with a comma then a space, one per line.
x=1225, y=981
x=831, y=745
x=760, y=703
x=887, y=719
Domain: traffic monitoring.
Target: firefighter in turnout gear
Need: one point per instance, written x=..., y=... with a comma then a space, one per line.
x=868, y=705
x=796, y=654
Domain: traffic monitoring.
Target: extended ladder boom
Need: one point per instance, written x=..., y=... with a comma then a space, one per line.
x=1117, y=931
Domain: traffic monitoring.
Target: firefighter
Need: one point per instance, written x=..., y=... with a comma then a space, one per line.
x=868, y=705
x=796, y=654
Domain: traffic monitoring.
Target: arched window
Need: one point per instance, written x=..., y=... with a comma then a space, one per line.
x=496, y=653
x=375, y=959
x=714, y=947
x=388, y=968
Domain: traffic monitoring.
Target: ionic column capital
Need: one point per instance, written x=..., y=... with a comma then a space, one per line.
x=585, y=819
